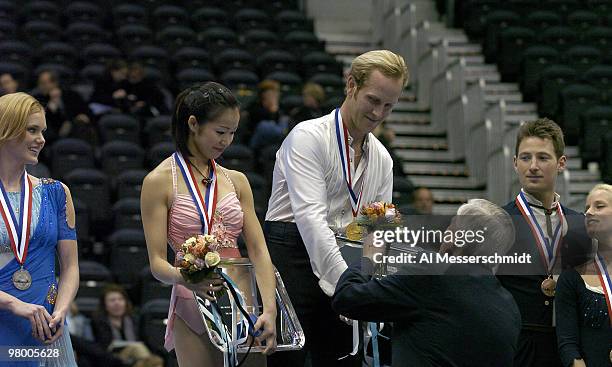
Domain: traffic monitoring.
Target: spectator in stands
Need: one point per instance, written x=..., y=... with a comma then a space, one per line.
x=266, y=121
x=324, y=167
x=537, y=210
x=143, y=96
x=79, y=324
x=422, y=201
x=582, y=300
x=113, y=320
x=33, y=306
x=313, y=96
x=432, y=312
x=67, y=114
x=8, y=84
x=110, y=92
x=204, y=122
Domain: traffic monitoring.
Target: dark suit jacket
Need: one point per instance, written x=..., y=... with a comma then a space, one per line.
x=439, y=320
x=536, y=308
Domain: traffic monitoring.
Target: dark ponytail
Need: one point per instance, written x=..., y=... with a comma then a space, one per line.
x=204, y=101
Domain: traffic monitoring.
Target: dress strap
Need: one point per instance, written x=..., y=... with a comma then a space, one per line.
x=229, y=179
x=174, y=181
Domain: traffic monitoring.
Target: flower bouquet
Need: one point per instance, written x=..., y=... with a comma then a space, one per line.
x=198, y=257
x=377, y=214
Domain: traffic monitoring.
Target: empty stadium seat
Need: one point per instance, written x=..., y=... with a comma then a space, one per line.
x=276, y=60
x=129, y=13
x=119, y=126
x=39, y=32
x=127, y=214
x=100, y=53
x=167, y=15
x=190, y=76
x=575, y=99
x=118, y=156
x=81, y=34
x=84, y=11
x=158, y=129
x=129, y=183
x=234, y=58
x=159, y=152
x=596, y=123
x=209, y=16
x=174, y=37
x=59, y=53
x=69, y=154
x=92, y=187
x=238, y=157
x=128, y=255
x=250, y=18
x=216, y=39
x=191, y=57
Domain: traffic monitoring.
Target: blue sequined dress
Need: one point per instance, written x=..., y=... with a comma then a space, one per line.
x=49, y=225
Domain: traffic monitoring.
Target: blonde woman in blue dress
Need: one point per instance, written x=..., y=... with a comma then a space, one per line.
x=37, y=220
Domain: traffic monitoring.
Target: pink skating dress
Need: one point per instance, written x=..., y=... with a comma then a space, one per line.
x=184, y=222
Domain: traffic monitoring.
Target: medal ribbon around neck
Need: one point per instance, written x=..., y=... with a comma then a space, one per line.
x=343, y=147
x=18, y=232
x=206, y=206
x=548, y=253
x=606, y=281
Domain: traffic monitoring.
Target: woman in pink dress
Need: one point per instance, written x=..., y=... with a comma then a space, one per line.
x=204, y=122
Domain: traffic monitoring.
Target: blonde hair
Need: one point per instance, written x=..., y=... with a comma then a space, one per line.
x=602, y=187
x=388, y=63
x=315, y=91
x=15, y=108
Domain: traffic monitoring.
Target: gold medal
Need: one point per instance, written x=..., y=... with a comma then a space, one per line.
x=548, y=287
x=354, y=231
x=22, y=279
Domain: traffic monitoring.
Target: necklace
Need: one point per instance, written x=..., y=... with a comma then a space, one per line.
x=205, y=180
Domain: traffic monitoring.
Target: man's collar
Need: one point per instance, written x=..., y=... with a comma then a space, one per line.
x=532, y=200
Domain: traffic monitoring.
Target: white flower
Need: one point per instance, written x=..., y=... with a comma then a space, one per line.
x=390, y=214
x=209, y=238
x=190, y=241
x=212, y=259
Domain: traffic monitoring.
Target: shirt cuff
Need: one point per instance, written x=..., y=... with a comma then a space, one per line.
x=330, y=279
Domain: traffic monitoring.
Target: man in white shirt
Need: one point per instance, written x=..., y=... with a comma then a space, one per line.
x=325, y=170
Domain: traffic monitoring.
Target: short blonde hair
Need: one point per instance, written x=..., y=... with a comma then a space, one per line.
x=388, y=63
x=602, y=187
x=15, y=108
x=315, y=91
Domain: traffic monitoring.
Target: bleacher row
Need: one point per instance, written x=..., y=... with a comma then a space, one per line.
x=560, y=52
x=237, y=47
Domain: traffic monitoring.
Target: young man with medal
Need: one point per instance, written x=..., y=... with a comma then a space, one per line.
x=325, y=170
x=36, y=225
x=583, y=300
x=553, y=234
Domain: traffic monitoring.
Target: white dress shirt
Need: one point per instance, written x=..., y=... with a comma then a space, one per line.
x=309, y=189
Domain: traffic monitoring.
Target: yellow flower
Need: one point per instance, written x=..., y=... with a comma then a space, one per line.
x=212, y=259
x=190, y=258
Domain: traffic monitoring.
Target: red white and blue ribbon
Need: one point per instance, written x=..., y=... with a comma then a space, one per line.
x=548, y=251
x=18, y=231
x=343, y=147
x=206, y=205
x=606, y=281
